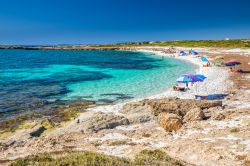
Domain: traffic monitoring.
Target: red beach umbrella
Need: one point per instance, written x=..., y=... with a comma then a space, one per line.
x=233, y=61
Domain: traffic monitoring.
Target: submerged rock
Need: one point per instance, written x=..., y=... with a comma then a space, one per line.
x=102, y=121
x=81, y=104
x=170, y=122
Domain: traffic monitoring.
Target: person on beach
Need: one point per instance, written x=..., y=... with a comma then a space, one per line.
x=190, y=51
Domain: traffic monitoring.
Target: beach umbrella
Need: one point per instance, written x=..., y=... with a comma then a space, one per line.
x=194, y=52
x=182, y=53
x=204, y=59
x=192, y=78
x=200, y=76
x=195, y=79
x=233, y=62
x=183, y=79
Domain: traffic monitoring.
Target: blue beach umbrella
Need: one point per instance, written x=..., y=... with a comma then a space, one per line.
x=193, y=78
x=200, y=76
x=204, y=59
x=182, y=53
x=194, y=52
x=183, y=79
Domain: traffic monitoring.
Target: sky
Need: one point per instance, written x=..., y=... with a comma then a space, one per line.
x=46, y=22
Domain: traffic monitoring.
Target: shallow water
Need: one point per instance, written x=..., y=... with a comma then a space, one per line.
x=33, y=79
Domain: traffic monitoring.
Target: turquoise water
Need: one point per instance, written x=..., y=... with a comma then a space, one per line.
x=35, y=79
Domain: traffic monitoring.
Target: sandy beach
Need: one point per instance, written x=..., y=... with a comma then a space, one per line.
x=217, y=81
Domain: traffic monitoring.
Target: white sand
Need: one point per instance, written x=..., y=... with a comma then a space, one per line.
x=217, y=82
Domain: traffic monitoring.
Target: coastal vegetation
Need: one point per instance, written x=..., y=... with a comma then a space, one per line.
x=188, y=43
x=234, y=43
x=145, y=157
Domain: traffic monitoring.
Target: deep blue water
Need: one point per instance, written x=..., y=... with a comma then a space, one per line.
x=35, y=79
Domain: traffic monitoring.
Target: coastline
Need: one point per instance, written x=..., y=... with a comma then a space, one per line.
x=217, y=82
x=219, y=137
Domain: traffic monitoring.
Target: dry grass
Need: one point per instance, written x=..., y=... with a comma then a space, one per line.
x=146, y=157
x=234, y=130
x=156, y=157
x=72, y=159
x=119, y=142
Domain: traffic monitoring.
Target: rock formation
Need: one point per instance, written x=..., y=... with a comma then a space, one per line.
x=102, y=121
x=170, y=122
x=173, y=112
x=137, y=112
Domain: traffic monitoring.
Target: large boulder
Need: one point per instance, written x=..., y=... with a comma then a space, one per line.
x=194, y=114
x=102, y=121
x=170, y=122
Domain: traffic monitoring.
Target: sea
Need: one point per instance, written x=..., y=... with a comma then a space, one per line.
x=33, y=80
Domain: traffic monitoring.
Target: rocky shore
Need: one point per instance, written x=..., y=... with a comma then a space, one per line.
x=214, y=132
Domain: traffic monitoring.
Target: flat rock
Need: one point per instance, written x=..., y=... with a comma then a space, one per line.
x=137, y=112
x=102, y=121
x=135, y=107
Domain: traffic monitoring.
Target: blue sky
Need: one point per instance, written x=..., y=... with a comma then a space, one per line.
x=111, y=21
